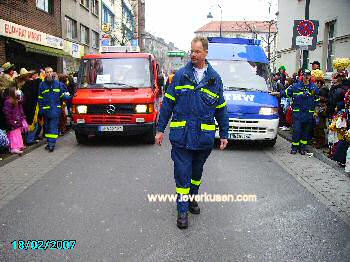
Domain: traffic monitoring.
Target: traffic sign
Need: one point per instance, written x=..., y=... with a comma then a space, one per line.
x=305, y=34
x=306, y=28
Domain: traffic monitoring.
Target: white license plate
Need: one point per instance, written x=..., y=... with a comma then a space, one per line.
x=239, y=136
x=110, y=128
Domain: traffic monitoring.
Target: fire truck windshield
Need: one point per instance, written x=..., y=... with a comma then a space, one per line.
x=115, y=73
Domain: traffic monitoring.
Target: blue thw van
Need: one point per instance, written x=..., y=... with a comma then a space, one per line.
x=244, y=69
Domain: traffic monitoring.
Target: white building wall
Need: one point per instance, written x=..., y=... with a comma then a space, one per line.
x=322, y=10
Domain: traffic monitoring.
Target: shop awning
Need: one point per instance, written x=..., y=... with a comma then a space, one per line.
x=45, y=50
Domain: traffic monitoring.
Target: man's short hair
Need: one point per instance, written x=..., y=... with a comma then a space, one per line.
x=48, y=67
x=201, y=39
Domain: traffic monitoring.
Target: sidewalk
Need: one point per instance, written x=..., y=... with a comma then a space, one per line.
x=6, y=158
x=317, y=153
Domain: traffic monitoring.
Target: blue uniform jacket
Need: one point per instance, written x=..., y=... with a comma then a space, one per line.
x=305, y=98
x=50, y=98
x=193, y=107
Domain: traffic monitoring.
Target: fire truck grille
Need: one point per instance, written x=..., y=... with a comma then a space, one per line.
x=112, y=109
x=110, y=119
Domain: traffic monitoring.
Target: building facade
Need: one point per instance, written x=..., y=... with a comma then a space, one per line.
x=31, y=34
x=333, y=39
x=139, y=20
x=266, y=31
x=119, y=23
x=159, y=48
x=80, y=30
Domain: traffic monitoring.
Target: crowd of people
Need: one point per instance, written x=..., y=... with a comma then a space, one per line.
x=330, y=123
x=24, y=111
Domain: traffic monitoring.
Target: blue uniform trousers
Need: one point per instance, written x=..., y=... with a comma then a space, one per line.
x=51, y=130
x=301, y=133
x=188, y=169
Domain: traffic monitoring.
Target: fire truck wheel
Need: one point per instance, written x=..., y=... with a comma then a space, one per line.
x=81, y=138
x=150, y=136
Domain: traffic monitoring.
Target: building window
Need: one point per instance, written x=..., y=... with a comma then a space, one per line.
x=330, y=50
x=71, y=28
x=95, y=39
x=84, y=35
x=45, y=5
x=94, y=7
x=85, y=3
x=107, y=16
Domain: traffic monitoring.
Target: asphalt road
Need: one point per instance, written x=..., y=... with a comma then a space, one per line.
x=96, y=194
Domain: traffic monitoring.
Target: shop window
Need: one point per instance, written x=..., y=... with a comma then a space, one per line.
x=95, y=39
x=94, y=7
x=45, y=5
x=84, y=35
x=71, y=28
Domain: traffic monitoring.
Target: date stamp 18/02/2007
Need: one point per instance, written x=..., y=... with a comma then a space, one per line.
x=43, y=244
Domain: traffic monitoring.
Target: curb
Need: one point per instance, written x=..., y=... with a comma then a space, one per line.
x=317, y=153
x=8, y=157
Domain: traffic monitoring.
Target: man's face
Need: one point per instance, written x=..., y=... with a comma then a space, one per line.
x=49, y=73
x=315, y=66
x=306, y=79
x=198, y=54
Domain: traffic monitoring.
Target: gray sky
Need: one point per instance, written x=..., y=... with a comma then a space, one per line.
x=175, y=21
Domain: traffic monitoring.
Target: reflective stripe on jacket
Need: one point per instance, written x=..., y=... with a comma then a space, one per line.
x=305, y=98
x=50, y=98
x=193, y=107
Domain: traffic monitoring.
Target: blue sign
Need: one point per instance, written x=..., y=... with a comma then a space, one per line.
x=134, y=42
x=105, y=42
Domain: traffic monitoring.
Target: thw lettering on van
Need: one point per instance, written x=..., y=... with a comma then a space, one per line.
x=239, y=97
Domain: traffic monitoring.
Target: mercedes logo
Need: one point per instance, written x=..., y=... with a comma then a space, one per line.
x=110, y=109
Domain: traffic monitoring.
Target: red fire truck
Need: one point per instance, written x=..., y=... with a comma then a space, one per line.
x=118, y=94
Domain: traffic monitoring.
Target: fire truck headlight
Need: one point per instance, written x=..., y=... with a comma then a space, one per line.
x=82, y=109
x=141, y=108
x=268, y=111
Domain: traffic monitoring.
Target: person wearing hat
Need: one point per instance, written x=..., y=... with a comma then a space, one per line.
x=281, y=76
x=9, y=70
x=315, y=65
x=305, y=97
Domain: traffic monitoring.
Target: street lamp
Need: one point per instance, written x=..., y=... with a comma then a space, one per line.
x=211, y=16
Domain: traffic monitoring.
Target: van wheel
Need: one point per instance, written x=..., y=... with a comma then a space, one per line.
x=81, y=138
x=270, y=143
x=150, y=136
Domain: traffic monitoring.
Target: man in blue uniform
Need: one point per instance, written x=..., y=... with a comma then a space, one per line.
x=193, y=99
x=305, y=97
x=51, y=94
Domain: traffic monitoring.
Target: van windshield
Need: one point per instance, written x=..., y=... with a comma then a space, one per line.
x=242, y=75
x=115, y=73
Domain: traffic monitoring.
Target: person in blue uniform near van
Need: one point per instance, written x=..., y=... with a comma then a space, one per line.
x=305, y=97
x=193, y=99
x=51, y=94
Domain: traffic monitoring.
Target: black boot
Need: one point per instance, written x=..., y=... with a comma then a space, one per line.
x=294, y=151
x=182, y=220
x=194, y=208
x=302, y=151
